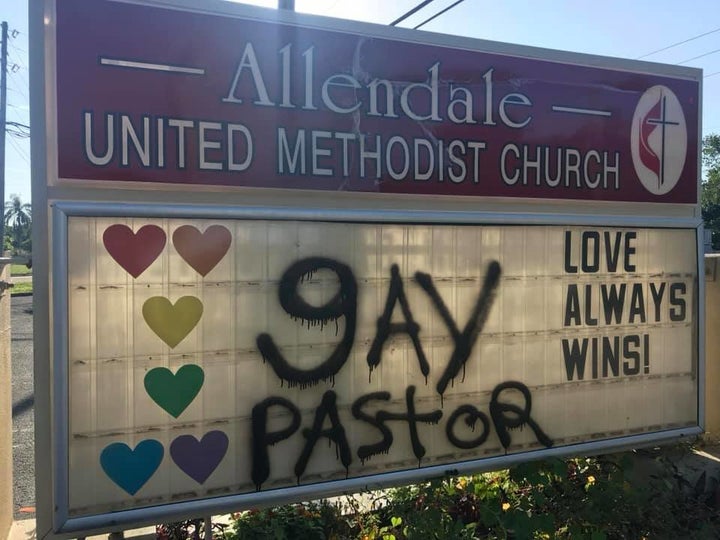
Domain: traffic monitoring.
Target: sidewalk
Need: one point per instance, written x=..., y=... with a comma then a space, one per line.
x=704, y=460
x=25, y=530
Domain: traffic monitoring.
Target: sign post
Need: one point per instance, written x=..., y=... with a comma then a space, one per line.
x=287, y=257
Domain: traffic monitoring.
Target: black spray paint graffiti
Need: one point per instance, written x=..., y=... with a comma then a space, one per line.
x=343, y=304
x=465, y=340
x=385, y=328
x=261, y=439
x=505, y=416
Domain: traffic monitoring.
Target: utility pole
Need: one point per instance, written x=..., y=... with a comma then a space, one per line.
x=3, y=121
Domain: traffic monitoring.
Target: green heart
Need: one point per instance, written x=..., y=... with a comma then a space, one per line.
x=174, y=392
x=172, y=323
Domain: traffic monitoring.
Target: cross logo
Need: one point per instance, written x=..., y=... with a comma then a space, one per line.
x=658, y=140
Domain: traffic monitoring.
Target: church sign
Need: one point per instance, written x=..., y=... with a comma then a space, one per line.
x=319, y=109
x=287, y=264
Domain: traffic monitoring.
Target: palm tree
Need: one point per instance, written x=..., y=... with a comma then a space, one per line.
x=17, y=213
x=18, y=223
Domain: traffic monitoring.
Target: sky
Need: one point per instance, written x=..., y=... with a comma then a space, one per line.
x=617, y=28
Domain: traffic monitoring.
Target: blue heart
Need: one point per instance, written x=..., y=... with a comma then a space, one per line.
x=130, y=469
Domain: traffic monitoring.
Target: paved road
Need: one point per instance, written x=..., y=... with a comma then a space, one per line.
x=23, y=406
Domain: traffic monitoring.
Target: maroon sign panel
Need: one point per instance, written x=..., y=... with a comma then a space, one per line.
x=159, y=95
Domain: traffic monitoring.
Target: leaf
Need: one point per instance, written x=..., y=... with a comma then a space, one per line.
x=521, y=525
x=700, y=484
x=543, y=522
x=487, y=516
x=396, y=521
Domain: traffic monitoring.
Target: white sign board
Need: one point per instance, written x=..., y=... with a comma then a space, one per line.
x=211, y=357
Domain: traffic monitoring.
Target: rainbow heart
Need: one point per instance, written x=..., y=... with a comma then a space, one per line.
x=198, y=459
x=172, y=323
x=174, y=392
x=131, y=469
x=204, y=250
x=134, y=251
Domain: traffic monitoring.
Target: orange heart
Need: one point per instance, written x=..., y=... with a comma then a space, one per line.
x=202, y=251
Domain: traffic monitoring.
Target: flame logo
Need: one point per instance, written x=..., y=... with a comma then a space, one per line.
x=648, y=156
x=659, y=140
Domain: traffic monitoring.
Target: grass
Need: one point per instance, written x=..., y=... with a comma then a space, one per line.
x=20, y=270
x=22, y=288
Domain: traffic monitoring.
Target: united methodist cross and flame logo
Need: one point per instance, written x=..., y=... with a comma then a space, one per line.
x=659, y=140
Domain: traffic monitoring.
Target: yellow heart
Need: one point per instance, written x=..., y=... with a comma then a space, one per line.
x=172, y=323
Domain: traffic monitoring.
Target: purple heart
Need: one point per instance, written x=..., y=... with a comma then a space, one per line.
x=198, y=459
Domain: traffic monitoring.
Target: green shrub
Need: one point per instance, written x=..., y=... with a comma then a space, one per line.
x=635, y=495
x=311, y=521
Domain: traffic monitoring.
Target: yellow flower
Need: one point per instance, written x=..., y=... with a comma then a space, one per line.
x=461, y=483
x=590, y=480
x=505, y=506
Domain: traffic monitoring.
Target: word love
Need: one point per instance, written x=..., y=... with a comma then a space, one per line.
x=344, y=304
x=617, y=249
x=505, y=416
x=136, y=251
x=132, y=468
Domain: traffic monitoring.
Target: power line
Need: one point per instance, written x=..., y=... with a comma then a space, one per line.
x=17, y=129
x=411, y=12
x=679, y=43
x=18, y=50
x=711, y=75
x=699, y=56
x=20, y=151
x=17, y=134
x=438, y=14
x=17, y=87
x=17, y=76
x=15, y=47
x=3, y=109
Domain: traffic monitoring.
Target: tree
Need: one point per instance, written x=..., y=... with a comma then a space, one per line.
x=710, y=194
x=18, y=225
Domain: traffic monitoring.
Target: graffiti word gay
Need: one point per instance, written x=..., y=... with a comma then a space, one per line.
x=504, y=415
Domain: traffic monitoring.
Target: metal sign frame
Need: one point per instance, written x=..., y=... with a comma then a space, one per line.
x=54, y=204
x=224, y=504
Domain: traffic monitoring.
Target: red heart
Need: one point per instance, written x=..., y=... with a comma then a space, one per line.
x=134, y=251
x=202, y=251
